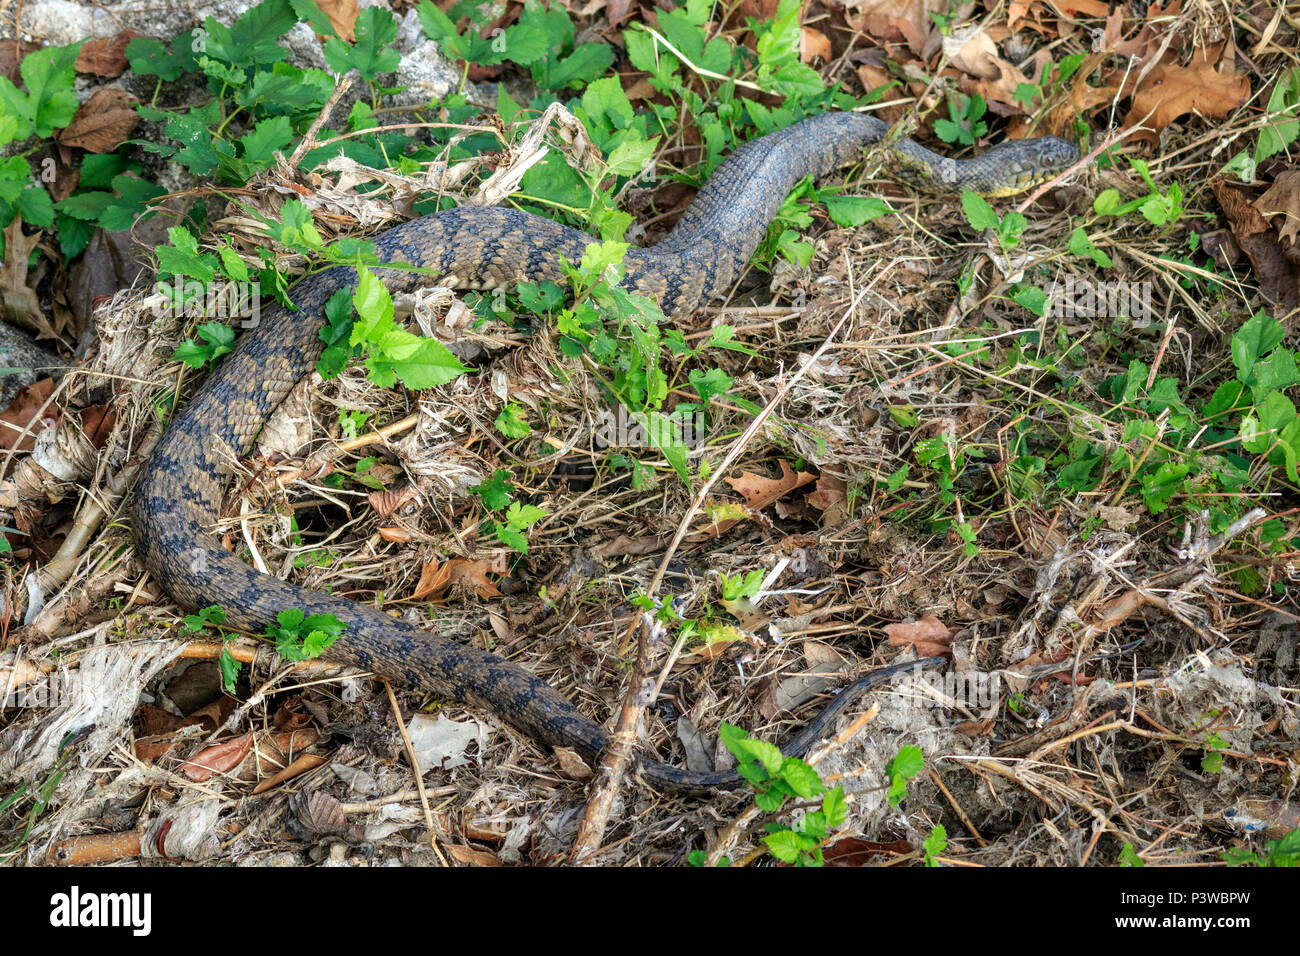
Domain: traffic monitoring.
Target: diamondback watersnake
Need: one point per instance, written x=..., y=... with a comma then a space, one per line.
x=178, y=497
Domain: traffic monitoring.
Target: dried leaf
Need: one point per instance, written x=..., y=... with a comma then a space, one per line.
x=20, y=302
x=318, y=814
x=571, y=765
x=1170, y=91
x=388, y=500
x=1279, y=277
x=470, y=856
x=219, y=758
x=12, y=55
x=21, y=413
x=814, y=44
x=929, y=636
x=435, y=579
x=102, y=123
x=440, y=742
x=473, y=574
x=1283, y=199
x=760, y=491
x=851, y=851
x=831, y=498
x=342, y=16
x=105, y=56
x=908, y=19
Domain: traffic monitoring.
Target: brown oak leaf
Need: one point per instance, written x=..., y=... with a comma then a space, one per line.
x=1169, y=91
x=760, y=491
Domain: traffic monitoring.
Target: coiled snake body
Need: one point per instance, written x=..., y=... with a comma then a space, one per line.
x=178, y=497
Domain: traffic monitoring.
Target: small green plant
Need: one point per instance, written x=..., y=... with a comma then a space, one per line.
x=1007, y=228
x=513, y=421
x=934, y=845
x=941, y=454
x=1051, y=83
x=217, y=339
x=1161, y=209
x=1129, y=856
x=214, y=616
x=742, y=585
x=776, y=779
x=1212, y=759
x=699, y=858
x=44, y=793
x=1280, y=852
x=353, y=423
x=907, y=763
x=1281, y=127
x=361, y=473
x=966, y=124
x=495, y=493
x=299, y=637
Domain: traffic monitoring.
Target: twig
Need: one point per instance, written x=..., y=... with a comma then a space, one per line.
x=58, y=569
x=415, y=767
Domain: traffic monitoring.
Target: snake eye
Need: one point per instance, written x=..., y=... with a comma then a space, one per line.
x=1049, y=160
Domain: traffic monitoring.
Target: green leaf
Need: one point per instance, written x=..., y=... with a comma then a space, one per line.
x=88, y=205
x=629, y=156
x=853, y=211
x=785, y=845
x=520, y=516
x=769, y=755
x=1258, y=336
x=265, y=138
x=709, y=383
x=1032, y=298
x=230, y=668
x=1283, y=127
x=49, y=76
x=371, y=54
x=133, y=196
x=36, y=207
x=801, y=778
x=149, y=57
x=979, y=213
x=251, y=40
x=495, y=491
x=314, y=17
x=1081, y=246
x=835, y=807
x=513, y=421
x=586, y=63
x=182, y=257
x=220, y=339
x=908, y=762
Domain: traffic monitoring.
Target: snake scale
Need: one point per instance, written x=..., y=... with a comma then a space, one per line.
x=179, y=494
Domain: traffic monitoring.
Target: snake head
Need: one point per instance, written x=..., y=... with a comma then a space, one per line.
x=1013, y=166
